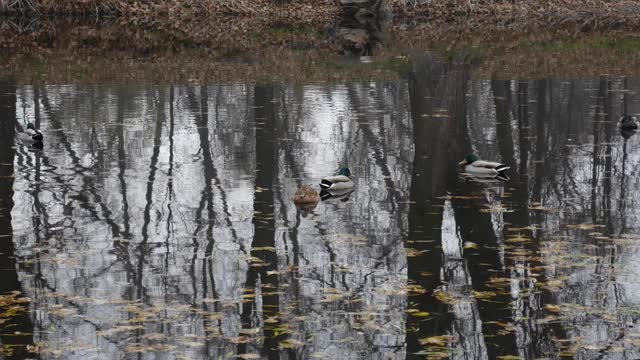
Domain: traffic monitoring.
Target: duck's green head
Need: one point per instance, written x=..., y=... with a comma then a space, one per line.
x=469, y=159
x=30, y=126
x=344, y=172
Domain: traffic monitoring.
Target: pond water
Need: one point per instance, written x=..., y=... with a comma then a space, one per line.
x=157, y=221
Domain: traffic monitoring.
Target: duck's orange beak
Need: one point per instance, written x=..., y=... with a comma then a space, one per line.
x=462, y=162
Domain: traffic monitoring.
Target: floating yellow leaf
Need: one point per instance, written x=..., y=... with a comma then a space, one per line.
x=444, y=297
x=291, y=343
x=415, y=289
x=484, y=294
x=552, y=308
x=470, y=245
x=413, y=252
x=585, y=226
x=437, y=340
x=518, y=239
x=421, y=314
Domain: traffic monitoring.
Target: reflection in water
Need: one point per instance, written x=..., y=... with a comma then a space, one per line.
x=157, y=221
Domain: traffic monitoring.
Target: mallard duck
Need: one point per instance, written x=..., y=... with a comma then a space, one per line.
x=487, y=179
x=306, y=199
x=629, y=122
x=480, y=168
x=339, y=182
x=342, y=195
x=306, y=195
x=31, y=134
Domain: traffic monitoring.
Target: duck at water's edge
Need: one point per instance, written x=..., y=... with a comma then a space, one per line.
x=484, y=169
x=339, y=182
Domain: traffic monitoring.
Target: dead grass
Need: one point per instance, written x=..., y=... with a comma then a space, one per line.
x=522, y=15
x=223, y=27
x=229, y=27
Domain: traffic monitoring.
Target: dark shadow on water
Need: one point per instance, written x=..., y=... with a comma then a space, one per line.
x=16, y=333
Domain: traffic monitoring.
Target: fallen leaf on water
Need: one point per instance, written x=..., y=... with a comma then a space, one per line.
x=437, y=340
x=470, y=245
x=552, y=308
x=249, y=356
x=413, y=252
x=484, y=294
x=444, y=297
x=421, y=314
x=291, y=343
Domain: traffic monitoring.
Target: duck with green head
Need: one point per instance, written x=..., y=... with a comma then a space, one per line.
x=339, y=182
x=476, y=167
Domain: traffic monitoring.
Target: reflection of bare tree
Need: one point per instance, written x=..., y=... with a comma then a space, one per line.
x=533, y=340
x=92, y=188
x=170, y=192
x=597, y=124
x=541, y=145
x=523, y=130
x=143, y=246
x=504, y=133
x=259, y=280
x=17, y=331
x=201, y=111
x=484, y=263
x=437, y=93
x=88, y=178
x=122, y=166
x=608, y=157
x=622, y=201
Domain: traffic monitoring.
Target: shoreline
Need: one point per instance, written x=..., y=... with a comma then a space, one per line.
x=241, y=26
x=524, y=57
x=295, y=41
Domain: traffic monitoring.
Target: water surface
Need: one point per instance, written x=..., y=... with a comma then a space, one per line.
x=157, y=221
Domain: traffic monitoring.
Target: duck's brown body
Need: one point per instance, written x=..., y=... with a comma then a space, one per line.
x=306, y=195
